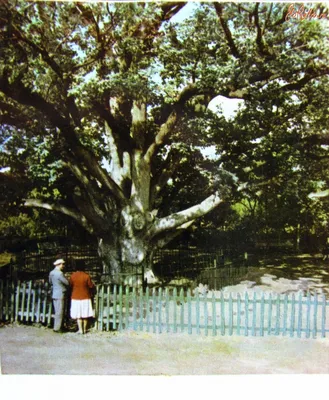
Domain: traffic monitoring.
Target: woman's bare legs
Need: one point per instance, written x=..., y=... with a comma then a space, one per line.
x=80, y=325
x=84, y=324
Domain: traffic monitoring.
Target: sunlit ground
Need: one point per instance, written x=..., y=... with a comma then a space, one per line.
x=287, y=274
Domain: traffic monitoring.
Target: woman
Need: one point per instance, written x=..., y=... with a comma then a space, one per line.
x=81, y=306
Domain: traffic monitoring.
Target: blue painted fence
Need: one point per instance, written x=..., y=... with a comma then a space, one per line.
x=215, y=313
x=179, y=311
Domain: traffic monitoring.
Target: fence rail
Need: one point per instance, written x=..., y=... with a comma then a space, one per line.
x=29, y=264
x=206, y=267
x=171, y=310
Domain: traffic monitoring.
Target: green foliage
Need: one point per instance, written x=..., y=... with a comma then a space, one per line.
x=68, y=67
x=24, y=225
x=20, y=225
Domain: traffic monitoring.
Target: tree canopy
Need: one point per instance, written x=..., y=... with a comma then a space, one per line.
x=104, y=112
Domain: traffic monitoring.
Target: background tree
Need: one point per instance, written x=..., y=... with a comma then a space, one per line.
x=283, y=154
x=103, y=104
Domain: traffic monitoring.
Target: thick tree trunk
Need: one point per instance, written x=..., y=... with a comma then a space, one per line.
x=124, y=259
x=109, y=254
x=127, y=252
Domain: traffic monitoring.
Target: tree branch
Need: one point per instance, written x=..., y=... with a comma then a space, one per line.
x=88, y=187
x=119, y=132
x=259, y=37
x=120, y=166
x=44, y=54
x=164, y=239
x=320, y=194
x=268, y=16
x=100, y=174
x=229, y=38
x=171, y=8
x=168, y=126
x=178, y=219
x=282, y=20
x=17, y=91
x=161, y=136
x=167, y=171
x=138, y=123
x=61, y=209
x=93, y=215
x=303, y=81
x=20, y=93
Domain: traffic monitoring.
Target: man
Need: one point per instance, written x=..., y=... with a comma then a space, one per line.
x=59, y=286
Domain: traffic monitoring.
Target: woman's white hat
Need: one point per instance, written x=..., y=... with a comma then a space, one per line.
x=59, y=261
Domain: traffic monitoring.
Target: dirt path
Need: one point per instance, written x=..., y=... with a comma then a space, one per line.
x=34, y=350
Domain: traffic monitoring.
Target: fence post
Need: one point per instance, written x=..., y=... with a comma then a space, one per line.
x=292, y=321
x=315, y=316
x=44, y=302
x=12, y=301
x=39, y=303
x=18, y=289
x=175, y=309
x=101, y=307
x=299, y=322
x=205, y=310
x=115, y=307
x=238, y=322
x=254, y=312
x=261, y=330
x=35, y=300
x=160, y=309
x=134, y=309
x=222, y=312
x=50, y=307
x=308, y=315
x=127, y=307
x=277, y=321
x=230, y=316
x=147, y=300
x=182, y=310
x=108, y=307
x=141, y=308
x=246, y=307
x=285, y=314
x=167, y=310
x=197, y=305
x=189, y=311
x=96, y=300
x=23, y=301
x=213, y=301
x=323, y=316
x=120, y=308
x=28, y=301
x=38, y=294
x=154, y=305
x=269, y=321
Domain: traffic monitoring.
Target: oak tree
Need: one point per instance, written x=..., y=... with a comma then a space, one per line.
x=102, y=105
